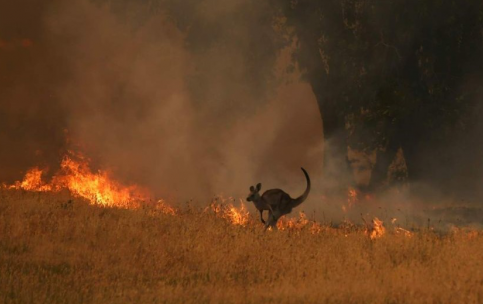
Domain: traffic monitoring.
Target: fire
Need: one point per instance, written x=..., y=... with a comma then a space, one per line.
x=404, y=232
x=76, y=176
x=32, y=181
x=299, y=223
x=237, y=216
x=293, y=223
x=351, y=198
x=355, y=197
x=165, y=208
x=96, y=187
x=224, y=208
x=99, y=188
x=377, y=229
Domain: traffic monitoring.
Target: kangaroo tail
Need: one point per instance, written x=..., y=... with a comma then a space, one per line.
x=299, y=200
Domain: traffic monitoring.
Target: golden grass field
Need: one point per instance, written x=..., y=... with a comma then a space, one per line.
x=52, y=251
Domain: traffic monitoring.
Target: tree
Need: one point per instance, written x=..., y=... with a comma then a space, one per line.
x=386, y=74
x=401, y=70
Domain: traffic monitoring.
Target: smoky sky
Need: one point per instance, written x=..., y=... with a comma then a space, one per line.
x=190, y=100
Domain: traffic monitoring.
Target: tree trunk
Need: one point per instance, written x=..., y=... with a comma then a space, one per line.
x=335, y=164
x=384, y=159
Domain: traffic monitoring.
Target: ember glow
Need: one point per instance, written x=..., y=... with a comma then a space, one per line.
x=351, y=199
x=351, y=196
x=238, y=216
x=355, y=197
x=235, y=215
x=96, y=187
x=32, y=181
x=377, y=229
x=76, y=176
x=299, y=223
x=100, y=188
x=225, y=209
x=162, y=206
x=402, y=231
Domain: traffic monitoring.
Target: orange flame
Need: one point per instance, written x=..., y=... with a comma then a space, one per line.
x=299, y=223
x=76, y=176
x=293, y=223
x=237, y=216
x=165, y=208
x=351, y=196
x=352, y=199
x=32, y=181
x=98, y=188
x=404, y=232
x=377, y=230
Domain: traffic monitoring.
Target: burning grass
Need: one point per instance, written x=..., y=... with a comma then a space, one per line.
x=58, y=248
x=76, y=176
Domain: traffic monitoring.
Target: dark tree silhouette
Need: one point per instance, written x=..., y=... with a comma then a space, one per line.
x=406, y=72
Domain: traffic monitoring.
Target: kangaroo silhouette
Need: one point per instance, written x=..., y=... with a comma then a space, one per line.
x=276, y=201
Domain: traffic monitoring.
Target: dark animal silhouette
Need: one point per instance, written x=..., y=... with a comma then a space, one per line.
x=276, y=201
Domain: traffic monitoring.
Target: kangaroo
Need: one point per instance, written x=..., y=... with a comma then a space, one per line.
x=276, y=201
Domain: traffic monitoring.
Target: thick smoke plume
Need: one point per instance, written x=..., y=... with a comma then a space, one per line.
x=133, y=90
x=191, y=99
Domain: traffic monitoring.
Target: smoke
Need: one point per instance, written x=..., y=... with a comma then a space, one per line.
x=189, y=98
x=189, y=112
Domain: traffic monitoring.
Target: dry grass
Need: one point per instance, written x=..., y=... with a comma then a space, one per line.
x=53, y=252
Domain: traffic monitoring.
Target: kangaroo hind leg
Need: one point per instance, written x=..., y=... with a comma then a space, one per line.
x=273, y=219
x=261, y=216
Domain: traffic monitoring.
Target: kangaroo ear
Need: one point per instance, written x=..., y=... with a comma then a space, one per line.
x=252, y=189
x=259, y=186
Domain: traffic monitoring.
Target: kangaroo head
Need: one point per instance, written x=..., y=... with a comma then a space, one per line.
x=254, y=193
